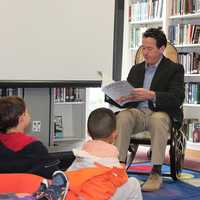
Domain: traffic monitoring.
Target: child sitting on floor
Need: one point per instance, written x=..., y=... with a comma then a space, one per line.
x=21, y=152
x=96, y=172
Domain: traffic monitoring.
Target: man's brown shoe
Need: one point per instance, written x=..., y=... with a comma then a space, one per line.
x=153, y=183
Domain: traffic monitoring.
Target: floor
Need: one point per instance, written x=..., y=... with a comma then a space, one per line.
x=192, y=158
x=193, y=154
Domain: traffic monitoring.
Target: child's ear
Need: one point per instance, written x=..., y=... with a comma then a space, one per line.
x=114, y=135
x=21, y=118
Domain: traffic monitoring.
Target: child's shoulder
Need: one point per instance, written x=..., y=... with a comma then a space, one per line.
x=100, y=148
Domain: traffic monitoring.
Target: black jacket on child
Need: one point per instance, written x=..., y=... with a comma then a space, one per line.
x=22, y=153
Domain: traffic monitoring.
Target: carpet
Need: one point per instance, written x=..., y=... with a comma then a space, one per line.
x=187, y=188
x=189, y=162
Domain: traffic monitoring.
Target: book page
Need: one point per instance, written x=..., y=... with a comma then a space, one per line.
x=118, y=89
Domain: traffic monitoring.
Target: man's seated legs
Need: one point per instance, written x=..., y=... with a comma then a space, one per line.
x=128, y=121
x=159, y=127
x=158, y=124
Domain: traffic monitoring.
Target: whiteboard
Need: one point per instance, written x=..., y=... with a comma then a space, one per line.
x=56, y=39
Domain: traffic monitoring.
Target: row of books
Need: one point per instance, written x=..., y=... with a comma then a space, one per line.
x=190, y=61
x=192, y=93
x=184, y=34
x=68, y=94
x=191, y=128
x=145, y=9
x=10, y=92
x=136, y=36
x=182, y=7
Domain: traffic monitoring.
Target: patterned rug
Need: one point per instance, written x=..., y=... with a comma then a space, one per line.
x=187, y=188
x=189, y=162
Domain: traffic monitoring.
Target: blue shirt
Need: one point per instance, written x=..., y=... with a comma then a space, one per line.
x=148, y=77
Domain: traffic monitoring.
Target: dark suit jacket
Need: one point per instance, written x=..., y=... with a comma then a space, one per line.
x=168, y=83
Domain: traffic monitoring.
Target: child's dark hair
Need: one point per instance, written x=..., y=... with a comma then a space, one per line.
x=158, y=35
x=101, y=123
x=11, y=108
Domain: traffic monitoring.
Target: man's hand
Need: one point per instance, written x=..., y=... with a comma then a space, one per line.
x=138, y=94
x=141, y=94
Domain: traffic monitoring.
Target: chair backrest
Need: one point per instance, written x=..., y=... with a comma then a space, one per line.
x=170, y=52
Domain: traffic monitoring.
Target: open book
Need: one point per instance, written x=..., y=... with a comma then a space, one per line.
x=118, y=89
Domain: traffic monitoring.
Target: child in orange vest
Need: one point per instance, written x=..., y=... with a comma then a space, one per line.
x=96, y=172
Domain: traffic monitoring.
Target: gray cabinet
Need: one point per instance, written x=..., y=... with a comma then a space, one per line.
x=59, y=124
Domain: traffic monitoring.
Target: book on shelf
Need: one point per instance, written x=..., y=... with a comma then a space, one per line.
x=190, y=61
x=196, y=132
x=68, y=94
x=71, y=94
x=192, y=93
x=196, y=35
x=118, y=89
x=191, y=128
x=58, y=127
x=136, y=36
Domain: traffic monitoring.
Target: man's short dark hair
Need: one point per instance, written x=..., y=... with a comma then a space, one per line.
x=11, y=108
x=101, y=123
x=158, y=35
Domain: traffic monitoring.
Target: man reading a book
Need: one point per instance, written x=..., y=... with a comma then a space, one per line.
x=156, y=98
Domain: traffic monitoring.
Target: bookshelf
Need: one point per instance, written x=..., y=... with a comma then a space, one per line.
x=184, y=33
x=140, y=15
x=67, y=117
x=193, y=146
x=180, y=20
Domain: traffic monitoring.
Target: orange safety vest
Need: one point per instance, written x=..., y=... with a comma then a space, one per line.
x=99, y=183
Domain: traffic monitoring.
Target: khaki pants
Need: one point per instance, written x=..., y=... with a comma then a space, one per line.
x=133, y=120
